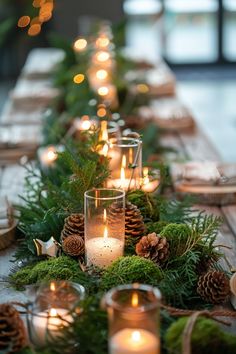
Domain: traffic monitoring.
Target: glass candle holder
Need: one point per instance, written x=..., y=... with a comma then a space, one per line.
x=133, y=312
x=54, y=308
x=125, y=163
x=104, y=226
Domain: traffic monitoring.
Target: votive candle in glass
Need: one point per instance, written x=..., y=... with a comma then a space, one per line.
x=54, y=308
x=104, y=211
x=133, y=312
x=125, y=164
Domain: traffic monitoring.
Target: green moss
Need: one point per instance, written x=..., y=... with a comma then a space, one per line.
x=156, y=227
x=207, y=338
x=62, y=268
x=132, y=269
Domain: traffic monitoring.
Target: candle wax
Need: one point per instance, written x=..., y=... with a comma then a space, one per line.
x=47, y=325
x=134, y=341
x=122, y=184
x=102, y=251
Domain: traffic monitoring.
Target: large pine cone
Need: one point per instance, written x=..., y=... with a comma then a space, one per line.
x=153, y=247
x=213, y=287
x=134, y=225
x=74, y=225
x=12, y=330
x=73, y=245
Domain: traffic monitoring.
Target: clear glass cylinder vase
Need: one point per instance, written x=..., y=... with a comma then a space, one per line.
x=54, y=307
x=125, y=164
x=133, y=312
x=104, y=211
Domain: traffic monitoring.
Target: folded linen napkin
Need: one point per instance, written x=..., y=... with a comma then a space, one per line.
x=204, y=173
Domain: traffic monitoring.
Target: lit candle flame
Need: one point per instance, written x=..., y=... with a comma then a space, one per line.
x=52, y=286
x=134, y=300
x=53, y=312
x=105, y=235
x=136, y=336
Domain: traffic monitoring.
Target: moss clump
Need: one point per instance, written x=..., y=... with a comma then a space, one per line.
x=62, y=268
x=156, y=227
x=132, y=269
x=207, y=338
x=177, y=235
x=145, y=203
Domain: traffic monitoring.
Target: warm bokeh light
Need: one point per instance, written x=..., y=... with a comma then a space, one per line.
x=103, y=91
x=23, y=21
x=34, y=30
x=101, y=112
x=38, y=3
x=101, y=74
x=102, y=56
x=102, y=42
x=142, y=88
x=80, y=44
x=79, y=78
x=34, y=21
x=51, y=155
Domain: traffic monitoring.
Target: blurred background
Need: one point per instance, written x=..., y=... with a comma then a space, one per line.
x=195, y=37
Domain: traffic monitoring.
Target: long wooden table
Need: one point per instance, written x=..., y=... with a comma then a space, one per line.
x=192, y=145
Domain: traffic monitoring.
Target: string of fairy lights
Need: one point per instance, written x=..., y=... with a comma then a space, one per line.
x=34, y=24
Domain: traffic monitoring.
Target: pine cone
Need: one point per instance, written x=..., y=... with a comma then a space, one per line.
x=73, y=245
x=12, y=330
x=153, y=247
x=74, y=225
x=213, y=287
x=134, y=225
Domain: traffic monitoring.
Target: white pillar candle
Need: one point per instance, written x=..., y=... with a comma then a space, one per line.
x=122, y=183
x=102, y=251
x=134, y=341
x=47, y=325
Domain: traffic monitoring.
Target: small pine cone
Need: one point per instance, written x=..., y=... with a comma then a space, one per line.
x=73, y=245
x=73, y=225
x=12, y=330
x=213, y=287
x=153, y=247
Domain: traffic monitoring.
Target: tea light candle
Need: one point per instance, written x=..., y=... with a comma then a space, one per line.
x=48, y=325
x=134, y=341
x=147, y=185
